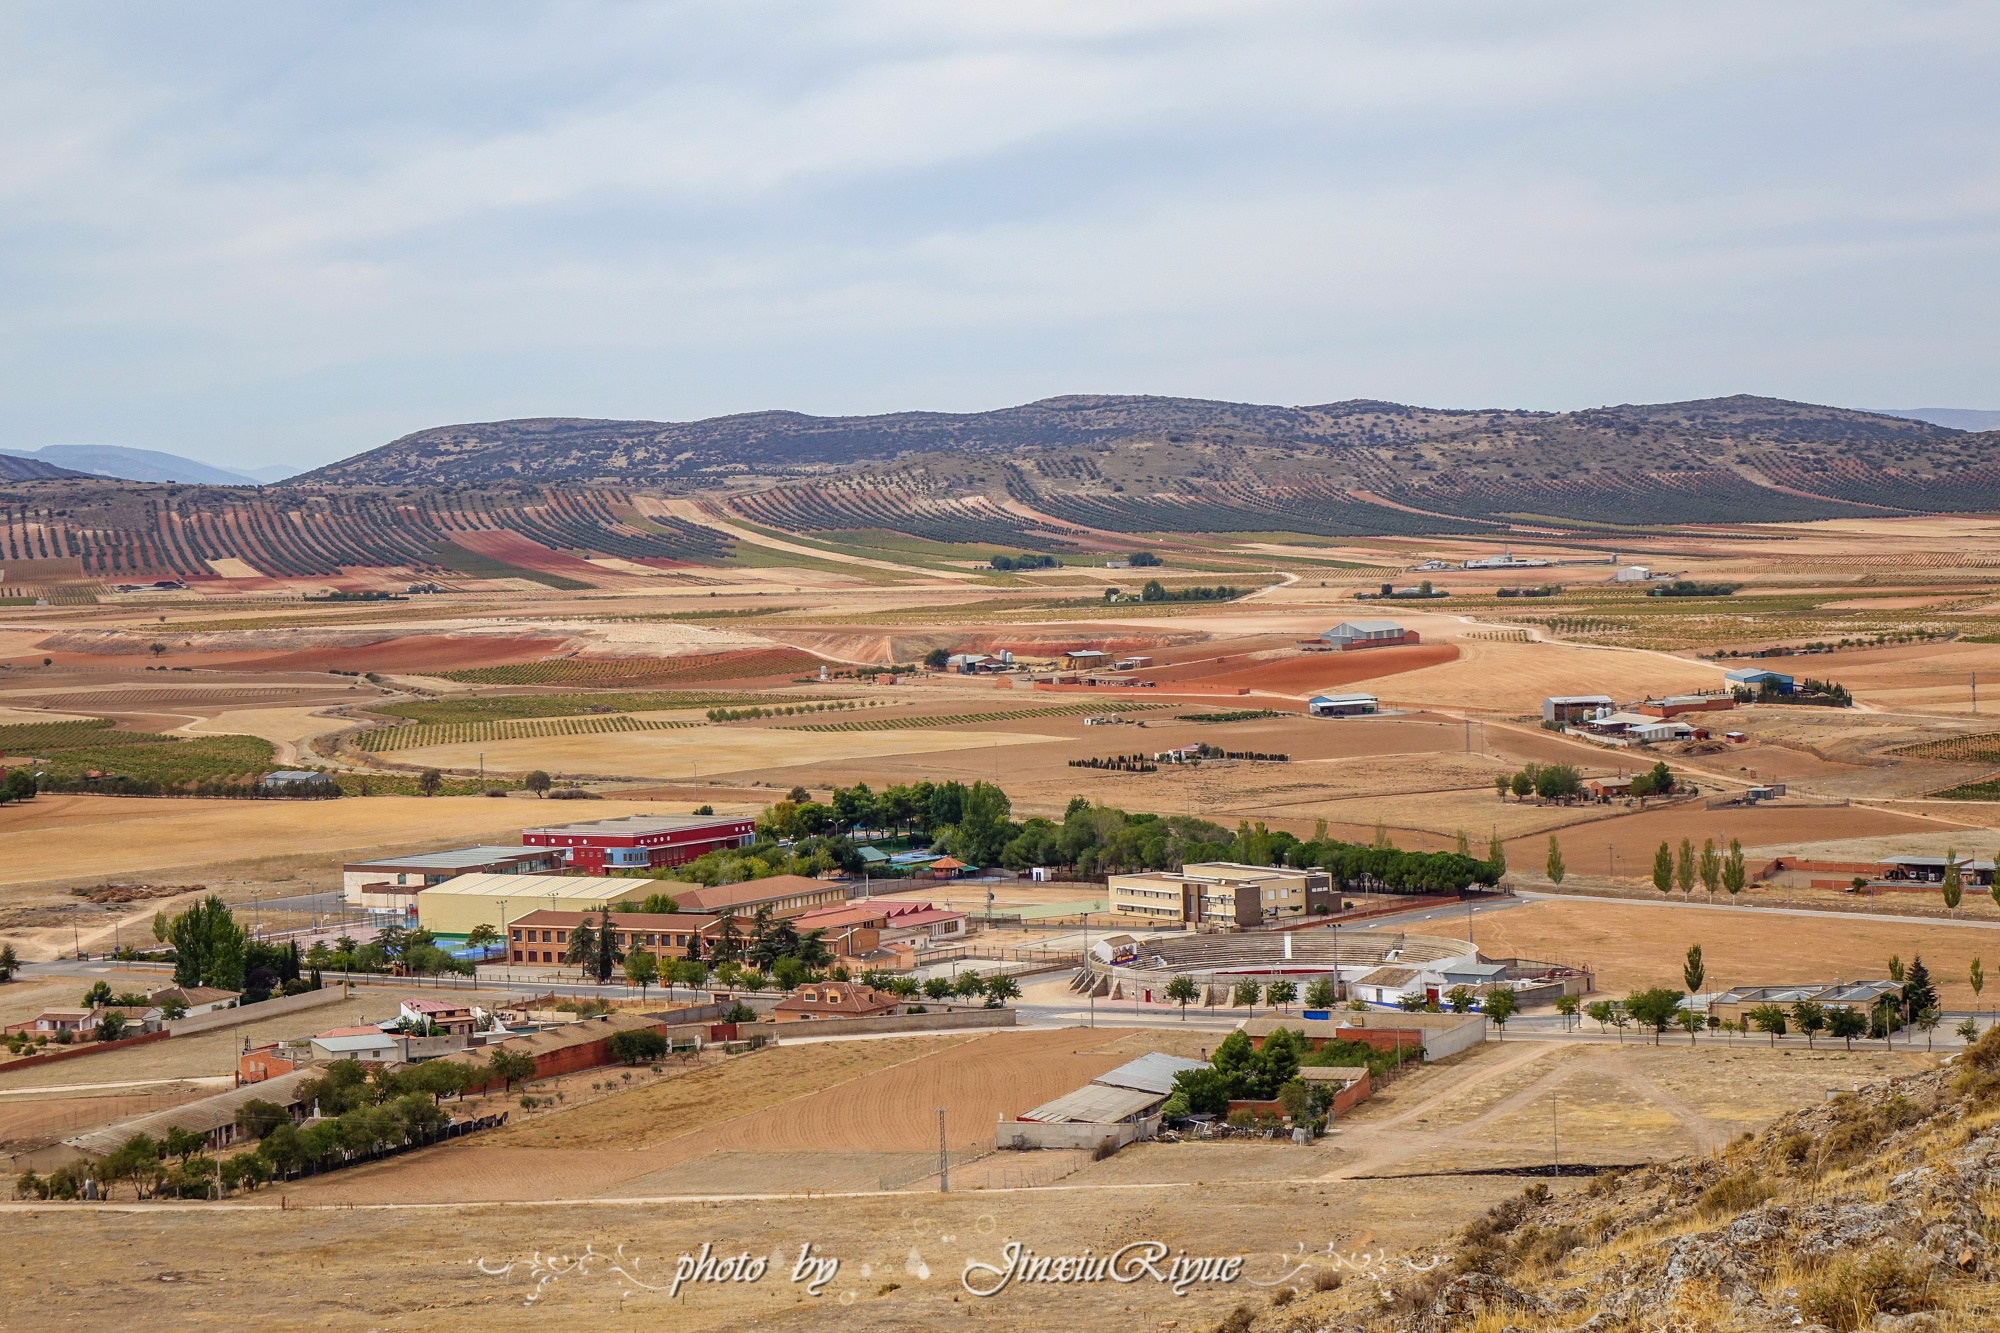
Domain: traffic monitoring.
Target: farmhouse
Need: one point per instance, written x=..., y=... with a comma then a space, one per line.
x=1675, y=705
x=214, y=1118
x=1342, y=705
x=1221, y=894
x=1083, y=659
x=454, y=1018
x=369, y=1045
x=835, y=1000
x=403, y=876
x=1576, y=707
x=641, y=841
x=1350, y=635
x=1759, y=680
x=1120, y=1104
x=1735, y=1004
x=194, y=999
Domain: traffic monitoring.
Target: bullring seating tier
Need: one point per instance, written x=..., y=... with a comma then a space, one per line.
x=1198, y=956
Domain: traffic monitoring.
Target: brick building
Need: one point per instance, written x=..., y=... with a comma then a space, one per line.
x=640, y=842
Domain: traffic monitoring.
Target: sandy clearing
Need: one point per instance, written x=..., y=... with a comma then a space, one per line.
x=134, y=837
x=671, y=754
x=1631, y=947
x=285, y=728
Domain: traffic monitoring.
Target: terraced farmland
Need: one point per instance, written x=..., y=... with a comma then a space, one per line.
x=623, y=670
x=897, y=508
x=286, y=533
x=467, y=733
x=955, y=719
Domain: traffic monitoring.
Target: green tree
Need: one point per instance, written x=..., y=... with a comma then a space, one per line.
x=1693, y=970
x=1684, y=870
x=1500, y=1005
x=1691, y=1021
x=608, y=956
x=1918, y=992
x=1282, y=993
x=1977, y=976
x=510, y=1067
x=208, y=945
x=1928, y=1019
x=1809, y=1018
x=1710, y=867
x=430, y=782
x=642, y=969
x=256, y=1118
x=1460, y=999
x=1845, y=1024
x=537, y=782
x=1556, y=868
x=1523, y=786
x=982, y=829
x=659, y=904
x=1247, y=992
x=110, y=1027
x=937, y=988
x=1654, y=1009
x=1000, y=989
x=1734, y=874
x=1558, y=782
x=1320, y=995
x=1663, y=869
x=1567, y=1006
x=1768, y=1018
x=1896, y=969
x=1503, y=784
x=1968, y=1031
x=160, y=927
x=1954, y=883
x=1496, y=855
x=99, y=993
x=10, y=962
x=637, y=1045
x=1183, y=991
x=967, y=984
x=483, y=936
x=937, y=659
x=1206, y=1091
x=1600, y=1010
x=582, y=946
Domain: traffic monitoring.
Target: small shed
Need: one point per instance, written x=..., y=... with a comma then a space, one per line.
x=1342, y=705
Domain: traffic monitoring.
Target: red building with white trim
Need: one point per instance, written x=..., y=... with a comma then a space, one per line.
x=640, y=842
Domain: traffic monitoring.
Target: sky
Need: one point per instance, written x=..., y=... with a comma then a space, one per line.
x=267, y=235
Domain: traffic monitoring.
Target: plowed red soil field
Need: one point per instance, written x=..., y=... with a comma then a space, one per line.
x=516, y=549
x=641, y=1134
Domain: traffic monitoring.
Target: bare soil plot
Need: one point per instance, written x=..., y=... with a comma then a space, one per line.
x=33, y=1122
x=1635, y=946
x=1633, y=836
x=1516, y=677
x=1309, y=673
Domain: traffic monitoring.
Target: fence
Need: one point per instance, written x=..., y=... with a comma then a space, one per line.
x=956, y=1157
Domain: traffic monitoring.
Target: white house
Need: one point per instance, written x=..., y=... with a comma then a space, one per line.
x=1634, y=574
x=196, y=999
x=370, y=1045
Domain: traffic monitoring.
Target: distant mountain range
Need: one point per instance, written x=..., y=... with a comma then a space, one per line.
x=111, y=460
x=1958, y=418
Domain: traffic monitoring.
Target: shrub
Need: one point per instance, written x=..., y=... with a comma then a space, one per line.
x=1242, y=1118
x=1326, y=1280
x=1851, y=1292
x=1282, y=1297
x=1796, y=1146
x=1735, y=1194
x=638, y=1045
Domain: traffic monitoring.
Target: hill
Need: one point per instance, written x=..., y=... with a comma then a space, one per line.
x=1870, y=1211
x=1135, y=463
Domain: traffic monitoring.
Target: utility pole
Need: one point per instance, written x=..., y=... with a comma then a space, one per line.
x=944, y=1158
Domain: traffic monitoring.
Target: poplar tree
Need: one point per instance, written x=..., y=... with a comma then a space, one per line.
x=1556, y=867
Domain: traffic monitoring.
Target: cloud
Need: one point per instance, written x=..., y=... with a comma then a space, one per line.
x=251, y=233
